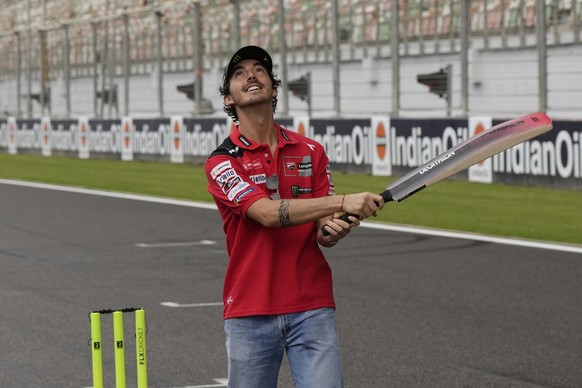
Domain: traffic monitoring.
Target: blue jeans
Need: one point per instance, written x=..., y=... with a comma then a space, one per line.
x=255, y=347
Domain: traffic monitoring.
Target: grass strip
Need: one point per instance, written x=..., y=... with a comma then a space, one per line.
x=501, y=210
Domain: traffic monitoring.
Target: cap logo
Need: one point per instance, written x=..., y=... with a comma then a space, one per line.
x=249, y=52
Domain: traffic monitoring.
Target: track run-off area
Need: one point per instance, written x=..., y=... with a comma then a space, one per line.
x=415, y=307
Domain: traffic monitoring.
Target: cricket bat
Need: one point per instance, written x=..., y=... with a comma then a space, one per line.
x=465, y=154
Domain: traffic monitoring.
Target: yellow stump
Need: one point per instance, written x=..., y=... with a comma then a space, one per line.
x=96, y=355
x=119, y=349
x=140, y=348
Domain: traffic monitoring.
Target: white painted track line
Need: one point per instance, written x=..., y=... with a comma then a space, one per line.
x=372, y=225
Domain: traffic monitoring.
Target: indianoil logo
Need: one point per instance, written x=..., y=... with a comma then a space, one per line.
x=83, y=134
x=45, y=131
x=301, y=129
x=11, y=131
x=478, y=129
x=126, y=134
x=177, y=135
x=381, y=140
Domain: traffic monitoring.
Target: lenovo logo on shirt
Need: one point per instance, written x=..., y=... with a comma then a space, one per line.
x=297, y=165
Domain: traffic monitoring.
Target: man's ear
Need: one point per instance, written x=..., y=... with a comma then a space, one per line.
x=228, y=100
x=275, y=93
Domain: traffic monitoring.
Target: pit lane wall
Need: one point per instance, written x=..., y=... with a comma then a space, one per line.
x=378, y=145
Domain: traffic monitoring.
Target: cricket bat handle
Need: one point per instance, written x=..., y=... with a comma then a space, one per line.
x=386, y=194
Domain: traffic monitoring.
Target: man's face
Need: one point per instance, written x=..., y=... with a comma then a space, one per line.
x=250, y=85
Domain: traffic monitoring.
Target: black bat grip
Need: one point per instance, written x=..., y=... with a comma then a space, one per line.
x=344, y=217
x=386, y=195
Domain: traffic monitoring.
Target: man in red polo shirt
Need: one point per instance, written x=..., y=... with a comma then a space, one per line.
x=274, y=191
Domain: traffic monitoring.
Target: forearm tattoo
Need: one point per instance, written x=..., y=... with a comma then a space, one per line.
x=284, y=213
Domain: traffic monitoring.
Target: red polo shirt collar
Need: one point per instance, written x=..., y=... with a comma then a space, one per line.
x=246, y=143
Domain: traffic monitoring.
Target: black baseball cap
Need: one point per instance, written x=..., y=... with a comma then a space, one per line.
x=249, y=52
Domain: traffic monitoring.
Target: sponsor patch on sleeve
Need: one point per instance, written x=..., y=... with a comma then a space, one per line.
x=225, y=176
x=219, y=168
x=230, y=184
x=236, y=190
x=243, y=194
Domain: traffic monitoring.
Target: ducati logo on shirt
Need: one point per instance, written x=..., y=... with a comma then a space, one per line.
x=297, y=165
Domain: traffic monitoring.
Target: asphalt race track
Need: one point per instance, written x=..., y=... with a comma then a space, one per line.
x=413, y=310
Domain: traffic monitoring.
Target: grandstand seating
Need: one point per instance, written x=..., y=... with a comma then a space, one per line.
x=362, y=22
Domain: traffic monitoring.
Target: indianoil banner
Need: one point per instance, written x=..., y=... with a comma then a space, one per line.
x=381, y=164
x=83, y=138
x=552, y=159
x=46, y=131
x=482, y=171
x=177, y=132
x=11, y=136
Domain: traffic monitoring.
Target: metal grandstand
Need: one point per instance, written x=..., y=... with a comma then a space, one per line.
x=308, y=24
